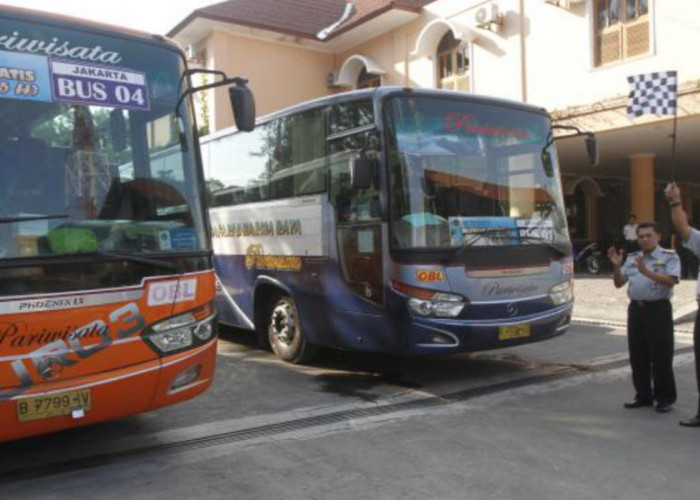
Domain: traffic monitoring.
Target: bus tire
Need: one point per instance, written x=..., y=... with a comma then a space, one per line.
x=285, y=333
x=592, y=265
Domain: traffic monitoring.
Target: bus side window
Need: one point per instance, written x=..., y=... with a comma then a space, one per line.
x=298, y=166
x=350, y=205
x=350, y=115
x=237, y=167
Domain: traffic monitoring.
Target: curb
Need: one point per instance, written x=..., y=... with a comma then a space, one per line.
x=617, y=324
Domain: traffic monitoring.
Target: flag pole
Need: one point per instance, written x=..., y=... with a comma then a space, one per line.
x=673, y=147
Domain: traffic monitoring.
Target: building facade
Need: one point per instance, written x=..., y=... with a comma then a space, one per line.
x=571, y=57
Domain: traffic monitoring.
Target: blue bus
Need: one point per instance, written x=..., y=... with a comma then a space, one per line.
x=391, y=220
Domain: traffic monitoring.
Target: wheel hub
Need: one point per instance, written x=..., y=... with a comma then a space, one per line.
x=283, y=324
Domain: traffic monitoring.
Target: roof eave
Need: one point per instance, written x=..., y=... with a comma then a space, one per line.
x=192, y=17
x=340, y=31
x=374, y=14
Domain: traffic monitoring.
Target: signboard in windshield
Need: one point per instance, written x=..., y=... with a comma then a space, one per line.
x=490, y=231
x=71, y=66
x=99, y=86
x=24, y=76
x=38, y=78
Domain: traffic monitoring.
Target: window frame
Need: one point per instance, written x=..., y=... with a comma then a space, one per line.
x=621, y=31
x=451, y=56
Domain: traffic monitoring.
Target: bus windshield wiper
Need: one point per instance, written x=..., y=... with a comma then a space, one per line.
x=9, y=220
x=544, y=241
x=487, y=231
x=130, y=257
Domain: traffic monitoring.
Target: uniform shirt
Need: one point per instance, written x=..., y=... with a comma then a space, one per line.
x=630, y=232
x=693, y=244
x=660, y=261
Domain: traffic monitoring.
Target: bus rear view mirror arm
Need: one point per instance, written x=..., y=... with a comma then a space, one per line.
x=241, y=96
x=591, y=141
x=117, y=129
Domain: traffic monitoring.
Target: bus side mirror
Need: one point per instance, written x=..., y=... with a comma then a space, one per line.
x=547, y=163
x=243, y=104
x=117, y=129
x=592, y=150
x=361, y=173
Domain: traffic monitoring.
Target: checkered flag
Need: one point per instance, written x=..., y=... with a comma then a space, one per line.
x=653, y=93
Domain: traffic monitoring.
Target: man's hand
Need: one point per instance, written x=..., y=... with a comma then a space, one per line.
x=673, y=193
x=615, y=256
x=678, y=216
x=639, y=260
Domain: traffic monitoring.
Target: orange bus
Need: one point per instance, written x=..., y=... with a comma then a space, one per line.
x=106, y=275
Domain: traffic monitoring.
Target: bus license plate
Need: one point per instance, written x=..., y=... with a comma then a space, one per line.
x=56, y=405
x=513, y=332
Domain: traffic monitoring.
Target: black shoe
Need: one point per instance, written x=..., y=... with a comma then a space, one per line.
x=663, y=407
x=691, y=422
x=637, y=403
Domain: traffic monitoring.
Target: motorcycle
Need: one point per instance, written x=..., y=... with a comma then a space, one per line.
x=589, y=258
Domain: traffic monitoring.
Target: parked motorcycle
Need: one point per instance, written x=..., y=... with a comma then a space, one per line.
x=589, y=258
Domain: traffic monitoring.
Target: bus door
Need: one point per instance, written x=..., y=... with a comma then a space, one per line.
x=357, y=215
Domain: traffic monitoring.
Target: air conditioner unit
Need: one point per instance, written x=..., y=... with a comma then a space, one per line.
x=487, y=17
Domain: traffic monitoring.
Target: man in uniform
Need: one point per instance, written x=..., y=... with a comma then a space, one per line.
x=651, y=274
x=629, y=233
x=691, y=240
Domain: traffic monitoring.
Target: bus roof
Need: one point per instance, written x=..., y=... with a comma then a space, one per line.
x=379, y=93
x=68, y=22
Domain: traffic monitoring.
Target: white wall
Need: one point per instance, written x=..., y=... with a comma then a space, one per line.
x=560, y=52
x=559, y=46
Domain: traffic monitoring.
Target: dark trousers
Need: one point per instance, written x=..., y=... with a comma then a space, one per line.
x=650, y=339
x=696, y=347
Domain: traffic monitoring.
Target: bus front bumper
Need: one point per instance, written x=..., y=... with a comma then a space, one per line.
x=115, y=394
x=436, y=336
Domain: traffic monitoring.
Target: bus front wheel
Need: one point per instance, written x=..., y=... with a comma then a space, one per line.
x=285, y=333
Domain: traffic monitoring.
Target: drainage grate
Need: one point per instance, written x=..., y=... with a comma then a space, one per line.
x=562, y=372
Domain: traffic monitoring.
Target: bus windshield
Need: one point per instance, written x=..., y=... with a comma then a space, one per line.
x=94, y=157
x=467, y=175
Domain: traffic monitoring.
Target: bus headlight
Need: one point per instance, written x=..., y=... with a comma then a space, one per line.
x=183, y=331
x=441, y=309
x=431, y=303
x=172, y=340
x=562, y=293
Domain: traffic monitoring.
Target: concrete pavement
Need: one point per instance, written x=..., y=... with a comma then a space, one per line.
x=550, y=439
x=597, y=301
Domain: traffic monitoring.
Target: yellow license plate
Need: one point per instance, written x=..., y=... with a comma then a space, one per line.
x=513, y=332
x=55, y=405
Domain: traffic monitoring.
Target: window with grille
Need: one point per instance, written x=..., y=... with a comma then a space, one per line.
x=453, y=68
x=621, y=30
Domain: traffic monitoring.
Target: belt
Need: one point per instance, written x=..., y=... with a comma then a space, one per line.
x=649, y=303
